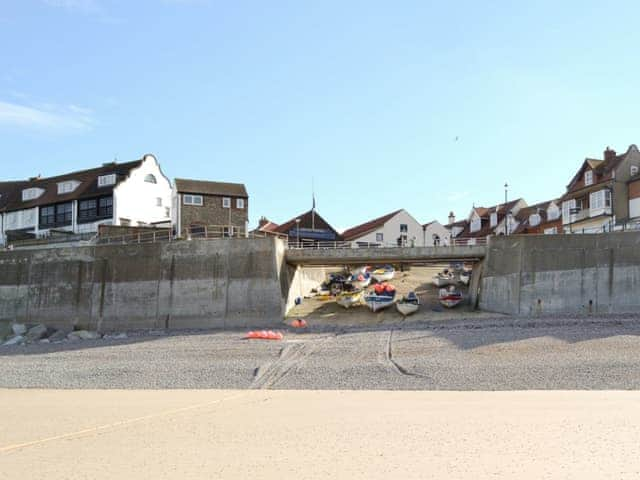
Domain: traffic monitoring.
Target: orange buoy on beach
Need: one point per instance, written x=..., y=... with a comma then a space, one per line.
x=264, y=335
x=299, y=323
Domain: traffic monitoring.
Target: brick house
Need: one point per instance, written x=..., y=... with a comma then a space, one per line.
x=222, y=207
x=541, y=218
x=597, y=197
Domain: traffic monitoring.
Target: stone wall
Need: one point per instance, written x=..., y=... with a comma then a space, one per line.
x=222, y=283
x=547, y=274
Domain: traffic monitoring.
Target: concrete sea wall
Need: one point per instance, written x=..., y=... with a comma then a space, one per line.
x=546, y=274
x=224, y=283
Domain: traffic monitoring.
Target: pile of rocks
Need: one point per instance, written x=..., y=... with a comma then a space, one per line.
x=21, y=334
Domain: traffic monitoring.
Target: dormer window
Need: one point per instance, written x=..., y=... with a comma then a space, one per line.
x=588, y=177
x=476, y=223
x=106, y=180
x=494, y=219
x=67, y=187
x=31, y=193
x=534, y=219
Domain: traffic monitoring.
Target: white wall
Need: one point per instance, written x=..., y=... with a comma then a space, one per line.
x=135, y=199
x=634, y=208
x=391, y=231
x=436, y=228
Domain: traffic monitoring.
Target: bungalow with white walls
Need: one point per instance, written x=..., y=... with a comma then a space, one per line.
x=132, y=193
x=435, y=234
x=395, y=228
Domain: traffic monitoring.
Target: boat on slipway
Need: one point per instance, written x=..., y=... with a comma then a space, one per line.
x=349, y=299
x=449, y=297
x=382, y=297
x=409, y=304
x=383, y=274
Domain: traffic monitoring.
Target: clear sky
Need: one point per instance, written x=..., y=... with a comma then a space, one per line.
x=365, y=97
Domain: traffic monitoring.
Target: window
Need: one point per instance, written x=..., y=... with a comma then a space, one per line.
x=475, y=224
x=600, y=199
x=567, y=206
x=167, y=212
x=227, y=231
x=47, y=216
x=588, y=177
x=31, y=193
x=403, y=228
x=106, y=180
x=226, y=202
x=551, y=231
x=494, y=219
x=634, y=170
x=158, y=202
x=193, y=200
x=105, y=207
x=379, y=237
x=150, y=178
x=553, y=212
x=67, y=187
x=64, y=213
x=534, y=219
x=87, y=209
x=240, y=203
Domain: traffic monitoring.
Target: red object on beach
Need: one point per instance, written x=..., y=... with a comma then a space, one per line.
x=264, y=335
x=390, y=288
x=379, y=288
x=299, y=323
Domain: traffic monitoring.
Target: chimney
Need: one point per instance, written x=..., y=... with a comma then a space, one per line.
x=33, y=179
x=263, y=221
x=452, y=218
x=609, y=154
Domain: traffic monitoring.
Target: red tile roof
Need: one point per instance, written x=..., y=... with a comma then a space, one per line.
x=367, y=227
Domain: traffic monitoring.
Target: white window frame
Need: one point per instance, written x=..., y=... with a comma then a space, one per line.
x=67, y=187
x=476, y=224
x=494, y=219
x=226, y=202
x=107, y=180
x=567, y=205
x=553, y=212
x=379, y=237
x=158, y=201
x=32, y=193
x=534, y=219
x=240, y=203
x=633, y=170
x=588, y=177
x=193, y=200
x=551, y=231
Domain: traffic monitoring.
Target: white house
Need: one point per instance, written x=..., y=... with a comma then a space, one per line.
x=132, y=193
x=434, y=234
x=395, y=228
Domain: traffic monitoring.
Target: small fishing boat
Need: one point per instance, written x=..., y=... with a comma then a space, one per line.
x=361, y=270
x=449, y=297
x=444, y=278
x=383, y=296
x=464, y=277
x=360, y=280
x=383, y=274
x=409, y=304
x=349, y=299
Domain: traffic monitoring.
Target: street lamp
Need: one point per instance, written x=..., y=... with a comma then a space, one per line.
x=298, y=230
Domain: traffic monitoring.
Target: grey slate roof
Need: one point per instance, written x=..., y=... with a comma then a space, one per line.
x=211, y=188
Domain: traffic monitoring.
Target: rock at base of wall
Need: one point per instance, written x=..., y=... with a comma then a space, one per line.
x=36, y=333
x=19, y=328
x=58, y=336
x=83, y=335
x=15, y=340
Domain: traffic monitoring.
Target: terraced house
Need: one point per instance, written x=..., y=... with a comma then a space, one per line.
x=600, y=194
x=132, y=193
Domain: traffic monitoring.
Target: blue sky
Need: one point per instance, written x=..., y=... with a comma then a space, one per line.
x=367, y=98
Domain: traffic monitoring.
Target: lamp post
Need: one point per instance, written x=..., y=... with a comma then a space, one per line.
x=298, y=230
x=506, y=188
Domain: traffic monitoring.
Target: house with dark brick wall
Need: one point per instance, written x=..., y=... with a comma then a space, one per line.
x=220, y=206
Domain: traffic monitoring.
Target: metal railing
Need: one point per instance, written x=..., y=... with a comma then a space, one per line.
x=327, y=245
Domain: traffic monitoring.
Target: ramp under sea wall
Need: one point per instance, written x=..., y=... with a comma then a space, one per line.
x=547, y=274
x=223, y=283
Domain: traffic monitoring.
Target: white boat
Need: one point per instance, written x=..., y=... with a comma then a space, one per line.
x=377, y=302
x=383, y=274
x=443, y=279
x=409, y=304
x=449, y=297
x=349, y=299
x=360, y=280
